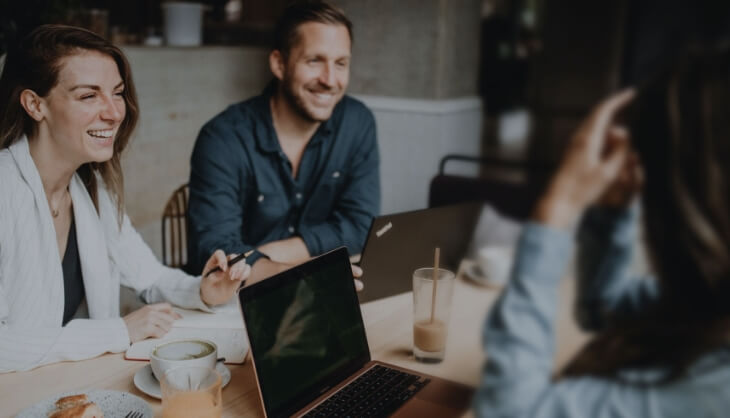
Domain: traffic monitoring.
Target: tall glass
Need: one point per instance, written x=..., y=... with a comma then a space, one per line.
x=431, y=314
x=191, y=392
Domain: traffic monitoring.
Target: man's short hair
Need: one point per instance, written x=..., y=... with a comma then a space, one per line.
x=304, y=11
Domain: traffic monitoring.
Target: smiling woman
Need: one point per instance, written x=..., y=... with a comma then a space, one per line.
x=67, y=110
x=63, y=59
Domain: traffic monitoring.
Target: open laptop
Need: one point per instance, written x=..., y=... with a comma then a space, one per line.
x=398, y=244
x=311, y=355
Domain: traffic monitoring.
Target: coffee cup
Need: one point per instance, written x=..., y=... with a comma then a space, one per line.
x=190, y=352
x=495, y=263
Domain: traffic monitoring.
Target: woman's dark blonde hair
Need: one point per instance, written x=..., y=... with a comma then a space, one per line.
x=681, y=132
x=34, y=64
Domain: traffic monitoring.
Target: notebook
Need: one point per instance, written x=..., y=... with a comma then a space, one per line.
x=224, y=328
x=400, y=243
x=311, y=355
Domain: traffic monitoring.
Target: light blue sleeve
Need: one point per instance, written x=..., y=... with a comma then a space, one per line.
x=519, y=337
x=606, y=288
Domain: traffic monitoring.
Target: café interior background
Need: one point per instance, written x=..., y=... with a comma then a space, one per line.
x=505, y=79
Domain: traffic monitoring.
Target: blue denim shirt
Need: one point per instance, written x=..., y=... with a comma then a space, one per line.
x=242, y=193
x=519, y=335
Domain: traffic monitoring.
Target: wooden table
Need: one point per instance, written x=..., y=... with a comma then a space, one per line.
x=389, y=330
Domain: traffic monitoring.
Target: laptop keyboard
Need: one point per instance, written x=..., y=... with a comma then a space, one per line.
x=376, y=393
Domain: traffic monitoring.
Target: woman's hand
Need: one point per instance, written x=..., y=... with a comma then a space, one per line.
x=598, y=152
x=626, y=187
x=150, y=321
x=219, y=287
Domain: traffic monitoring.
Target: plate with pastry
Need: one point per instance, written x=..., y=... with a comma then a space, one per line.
x=91, y=404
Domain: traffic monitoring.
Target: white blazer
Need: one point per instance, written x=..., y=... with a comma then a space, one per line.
x=31, y=276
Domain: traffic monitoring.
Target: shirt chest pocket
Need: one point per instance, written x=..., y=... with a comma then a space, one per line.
x=325, y=197
x=267, y=207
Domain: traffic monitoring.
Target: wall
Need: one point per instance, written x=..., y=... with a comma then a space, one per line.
x=415, y=48
x=413, y=136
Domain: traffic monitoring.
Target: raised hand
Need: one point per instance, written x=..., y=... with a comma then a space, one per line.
x=597, y=153
x=627, y=186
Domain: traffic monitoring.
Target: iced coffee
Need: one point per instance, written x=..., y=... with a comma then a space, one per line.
x=431, y=313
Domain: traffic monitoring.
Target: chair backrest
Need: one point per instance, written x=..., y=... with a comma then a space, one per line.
x=175, y=228
x=512, y=188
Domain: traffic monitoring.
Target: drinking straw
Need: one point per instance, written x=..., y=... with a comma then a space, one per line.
x=435, y=283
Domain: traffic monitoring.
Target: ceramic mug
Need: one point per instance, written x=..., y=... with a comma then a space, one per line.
x=189, y=352
x=495, y=263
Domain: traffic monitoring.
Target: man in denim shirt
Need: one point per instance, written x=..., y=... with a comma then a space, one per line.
x=291, y=173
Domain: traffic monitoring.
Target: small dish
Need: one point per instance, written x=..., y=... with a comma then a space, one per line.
x=145, y=381
x=113, y=403
x=475, y=274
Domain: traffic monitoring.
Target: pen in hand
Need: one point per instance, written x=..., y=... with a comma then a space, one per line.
x=231, y=262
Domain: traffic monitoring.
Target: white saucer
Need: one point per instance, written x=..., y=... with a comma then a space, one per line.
x=474, y=273
x=148, y=384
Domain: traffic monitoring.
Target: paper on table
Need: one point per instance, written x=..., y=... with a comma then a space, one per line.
x=224, y=327
x=226, y=316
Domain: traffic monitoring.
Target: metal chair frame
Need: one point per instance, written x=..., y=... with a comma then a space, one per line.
x=512, y=198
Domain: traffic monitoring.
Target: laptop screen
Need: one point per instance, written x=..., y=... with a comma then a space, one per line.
x=306, y=331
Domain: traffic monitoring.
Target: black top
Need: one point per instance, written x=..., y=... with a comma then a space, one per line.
x=73, y=283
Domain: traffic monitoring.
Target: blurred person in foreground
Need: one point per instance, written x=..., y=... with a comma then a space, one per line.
x=294, y=172
x=662, y=343
x=67, y=110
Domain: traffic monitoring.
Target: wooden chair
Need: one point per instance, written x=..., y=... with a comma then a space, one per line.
x=175, y=228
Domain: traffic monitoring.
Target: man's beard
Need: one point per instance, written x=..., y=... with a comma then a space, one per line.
x=297, y=103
